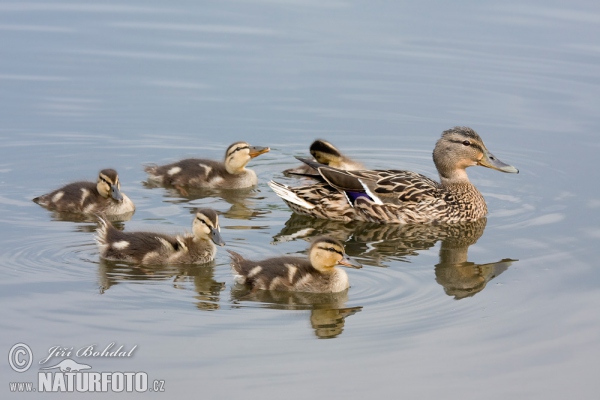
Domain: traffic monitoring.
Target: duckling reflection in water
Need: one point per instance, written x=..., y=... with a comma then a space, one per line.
x=158, y=248
x=318, y=274
x=327, y=154
x=196, y=173
x=328, y=312
x=104, y=197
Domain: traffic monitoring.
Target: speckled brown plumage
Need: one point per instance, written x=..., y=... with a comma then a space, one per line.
x=199, y=173
x=88, y=198
x=396, y=196
x=316, y=274
x=158, y=248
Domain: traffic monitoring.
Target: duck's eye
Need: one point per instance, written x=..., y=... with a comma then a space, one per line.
x=201, y=220
x=466, y=143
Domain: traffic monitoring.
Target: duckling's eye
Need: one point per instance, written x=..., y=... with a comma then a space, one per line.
x=466, y=143
x=201, y=220
x=334, y=250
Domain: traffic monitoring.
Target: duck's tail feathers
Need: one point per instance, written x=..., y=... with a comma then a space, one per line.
x=286, y=193
x=102, y=231
x=236, y=261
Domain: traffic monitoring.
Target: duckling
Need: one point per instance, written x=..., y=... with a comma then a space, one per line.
x=327, y=154
x=157, y=248
x=403, y=197
x=210, y=174
x=88, y=198
x=318, y=274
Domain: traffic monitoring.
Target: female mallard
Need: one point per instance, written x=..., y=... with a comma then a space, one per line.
x=393, y=196
x=327, y=154
x=158, y=248
x=198, y=173
x=104, y=197
x=318, y=274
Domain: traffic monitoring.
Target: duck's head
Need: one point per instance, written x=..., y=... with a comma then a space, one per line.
x=206, y=226
x=325, y=253
x=326, y=153
x=461, y=147
x=239, y=154
x=109, y=185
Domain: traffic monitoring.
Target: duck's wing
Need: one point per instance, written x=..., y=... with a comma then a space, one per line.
x=380, y=186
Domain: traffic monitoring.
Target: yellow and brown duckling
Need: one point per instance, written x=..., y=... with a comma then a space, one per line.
x=327, y=154
x=317, y=274
x=104, y=197
x=393, y=196
x=157, y=248
x=231, y=173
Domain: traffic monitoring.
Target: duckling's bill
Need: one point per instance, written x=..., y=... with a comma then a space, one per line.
x=256, y=151
x=115, y=193
x=348, y=262
x=215, y=235
x=490, y=161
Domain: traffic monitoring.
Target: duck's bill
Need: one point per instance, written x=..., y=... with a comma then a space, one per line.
x=215, y=235
x=115, y=193
x=490, y=161
x=347, y=262
x=256, y=151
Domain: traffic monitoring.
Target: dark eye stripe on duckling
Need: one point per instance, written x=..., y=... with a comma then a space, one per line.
x=323, y=147
x=109, y=175
x=105, y=179
x=331, y=249
x=237, y=148
x=210, y=215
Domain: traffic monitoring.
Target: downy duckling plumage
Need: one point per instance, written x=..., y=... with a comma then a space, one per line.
x=199, y=173
x=104, y=197
x=157, y=248
x=327, y=154
x=317, y=274
x=394, y=196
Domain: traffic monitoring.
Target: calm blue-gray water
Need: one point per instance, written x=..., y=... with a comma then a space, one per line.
x=504, y=308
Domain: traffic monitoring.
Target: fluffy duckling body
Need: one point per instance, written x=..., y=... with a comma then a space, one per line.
x=327, y=154
x=104, y=197
x=395, y=196
x=156, y=248
x=199, y=173
x=317, y=274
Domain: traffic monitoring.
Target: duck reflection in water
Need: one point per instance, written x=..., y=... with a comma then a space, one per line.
x=375, y=244
x=242, y=201
x=208, y=290
x=328, y=312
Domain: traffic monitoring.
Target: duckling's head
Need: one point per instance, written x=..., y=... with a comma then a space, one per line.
x=109, y=185
x=206, y=226
x=239, y=154
x=325, y=253
x=461, y=147
x=326, y=153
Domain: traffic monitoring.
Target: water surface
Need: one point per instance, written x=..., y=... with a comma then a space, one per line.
x=505, y=307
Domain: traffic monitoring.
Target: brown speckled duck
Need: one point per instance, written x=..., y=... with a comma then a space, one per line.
x=394, y=196
x=157, y=248
x=104, y=197
x=199, y=173
x=317, y=274
x=327, y=154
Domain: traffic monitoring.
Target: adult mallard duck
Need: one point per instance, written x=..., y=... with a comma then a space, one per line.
x=199, y=173
x=327, y=154
x=157, y=248
x=104, y=196
x=394, y=196
x=317, y=274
